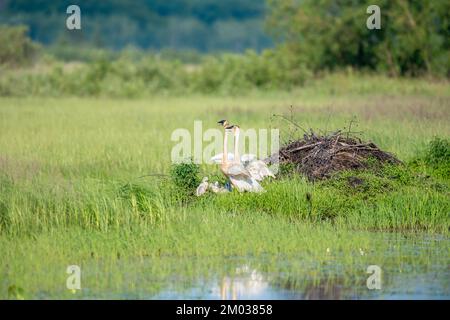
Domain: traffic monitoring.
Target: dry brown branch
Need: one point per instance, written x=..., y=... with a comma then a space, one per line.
x=318, y=156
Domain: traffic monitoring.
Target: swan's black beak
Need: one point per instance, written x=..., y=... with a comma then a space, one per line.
x=221, y=122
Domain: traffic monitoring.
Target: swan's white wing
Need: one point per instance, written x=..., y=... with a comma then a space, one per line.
x=256, y=187
x=242, y=180
x=248, y=157
x=264, y=170
x=259, y=170
x=254, y=172
x=237, y=170
x=218, y=157
x=243, y=183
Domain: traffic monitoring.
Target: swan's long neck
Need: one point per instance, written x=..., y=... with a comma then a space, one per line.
x=225, y=148
x=237, y=158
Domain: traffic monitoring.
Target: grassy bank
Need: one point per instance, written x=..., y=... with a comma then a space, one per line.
x=197, y=247
x=77, y=162
x=71, y=190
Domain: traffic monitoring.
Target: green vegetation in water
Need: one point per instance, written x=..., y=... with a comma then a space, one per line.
x=190, y=248
x=79, y=184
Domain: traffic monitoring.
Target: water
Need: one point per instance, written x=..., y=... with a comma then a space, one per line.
x=253, y=284
x=412, y=267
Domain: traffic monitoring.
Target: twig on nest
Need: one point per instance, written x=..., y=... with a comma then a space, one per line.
x=318, y=156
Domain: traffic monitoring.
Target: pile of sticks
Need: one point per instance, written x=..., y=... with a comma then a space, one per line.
x=319, y=156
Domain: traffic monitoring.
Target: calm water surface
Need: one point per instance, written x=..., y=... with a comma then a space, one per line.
x=412, y=267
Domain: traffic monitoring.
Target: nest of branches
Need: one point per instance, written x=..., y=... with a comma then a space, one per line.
x=319, y=156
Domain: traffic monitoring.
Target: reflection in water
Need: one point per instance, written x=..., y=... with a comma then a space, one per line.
x=320, y=289
x=246, y=282
x=412, y=269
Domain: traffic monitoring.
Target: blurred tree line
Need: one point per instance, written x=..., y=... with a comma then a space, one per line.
x=202, y=25
x=328, y=34
x=312, y=36
x=135, y=74
x=16, y=48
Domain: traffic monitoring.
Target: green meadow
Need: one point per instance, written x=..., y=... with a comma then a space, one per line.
x=86, y=181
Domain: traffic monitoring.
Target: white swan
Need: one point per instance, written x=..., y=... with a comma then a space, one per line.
x=257, y=168
x=202, y=188
x=239, y=176
x=245, y=158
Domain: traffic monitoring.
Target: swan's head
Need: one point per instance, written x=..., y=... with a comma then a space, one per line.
x=230, y=128
x=224, y=123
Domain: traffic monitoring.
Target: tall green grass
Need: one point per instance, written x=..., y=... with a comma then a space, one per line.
x=201, y=246
x=80, y=182
x=80, y=162
x=77, y=162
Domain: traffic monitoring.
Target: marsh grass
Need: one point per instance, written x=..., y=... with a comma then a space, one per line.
x=95, y=164
x=80, y=182
x=394, y=198
x=208, y=246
